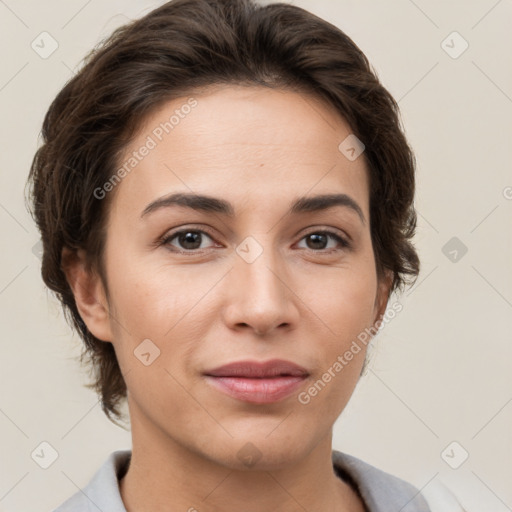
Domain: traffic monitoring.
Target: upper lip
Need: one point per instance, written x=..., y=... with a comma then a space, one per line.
x=256, y=369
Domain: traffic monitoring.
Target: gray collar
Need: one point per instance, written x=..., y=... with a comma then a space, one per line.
x=380, y=491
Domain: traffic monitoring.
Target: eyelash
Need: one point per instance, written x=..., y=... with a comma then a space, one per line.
x=168, y=238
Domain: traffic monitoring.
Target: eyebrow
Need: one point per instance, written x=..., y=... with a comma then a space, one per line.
x=211, y=204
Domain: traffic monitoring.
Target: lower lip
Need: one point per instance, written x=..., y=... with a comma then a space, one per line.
x=259, y=391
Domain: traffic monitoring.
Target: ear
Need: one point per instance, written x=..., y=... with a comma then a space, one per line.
x=382, y=296
x=89, y=293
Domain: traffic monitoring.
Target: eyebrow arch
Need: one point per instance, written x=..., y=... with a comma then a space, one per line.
x=210, y=204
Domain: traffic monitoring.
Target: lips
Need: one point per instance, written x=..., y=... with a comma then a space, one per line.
x=255, y=369
x=256, y=382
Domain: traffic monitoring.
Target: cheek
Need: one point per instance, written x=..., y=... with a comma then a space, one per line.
x=343, y=302
x=345, y=307
x=162, y=303
x=343, y=299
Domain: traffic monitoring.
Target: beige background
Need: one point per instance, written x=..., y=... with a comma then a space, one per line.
x=441, y=370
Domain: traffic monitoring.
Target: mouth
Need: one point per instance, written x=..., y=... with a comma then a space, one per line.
x=256, y=382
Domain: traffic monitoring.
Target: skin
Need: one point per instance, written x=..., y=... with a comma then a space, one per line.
x=259, y=149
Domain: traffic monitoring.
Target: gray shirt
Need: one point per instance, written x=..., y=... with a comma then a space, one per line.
x=380, y=491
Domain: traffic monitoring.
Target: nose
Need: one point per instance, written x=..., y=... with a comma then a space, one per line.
x=259, y=296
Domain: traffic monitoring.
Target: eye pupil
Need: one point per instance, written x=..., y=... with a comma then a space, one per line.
x=190, y=237
x=317, y=238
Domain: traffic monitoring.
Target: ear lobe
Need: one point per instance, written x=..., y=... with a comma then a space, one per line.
x=89, y=293
x=382, y=297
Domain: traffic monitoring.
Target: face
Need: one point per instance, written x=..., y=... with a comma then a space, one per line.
x=249, y=275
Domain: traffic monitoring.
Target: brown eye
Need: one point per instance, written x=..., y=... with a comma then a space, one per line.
x=319, y=240
x=187, y=239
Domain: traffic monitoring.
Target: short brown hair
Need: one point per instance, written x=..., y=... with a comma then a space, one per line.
x=173, y=51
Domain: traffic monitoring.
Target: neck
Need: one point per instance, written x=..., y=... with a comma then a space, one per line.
x=166, y=476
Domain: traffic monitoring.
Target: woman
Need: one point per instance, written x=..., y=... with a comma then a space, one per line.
x=225, y=198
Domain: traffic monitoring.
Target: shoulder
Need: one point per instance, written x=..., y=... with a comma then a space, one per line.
x=102, y=491
x=381, y=491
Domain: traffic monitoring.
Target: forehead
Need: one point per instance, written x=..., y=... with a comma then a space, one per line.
x=250, y=143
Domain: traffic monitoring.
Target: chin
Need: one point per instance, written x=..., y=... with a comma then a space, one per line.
x=259, y=451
